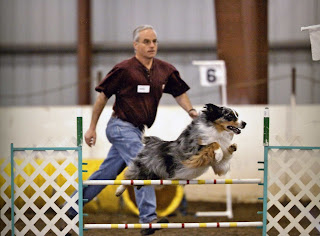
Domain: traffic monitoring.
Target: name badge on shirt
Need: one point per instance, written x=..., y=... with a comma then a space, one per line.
x=143, y=89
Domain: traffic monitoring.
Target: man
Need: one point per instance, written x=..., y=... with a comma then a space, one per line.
x=138, y=84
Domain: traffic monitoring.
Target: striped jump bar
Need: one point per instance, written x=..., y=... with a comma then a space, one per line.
x=174, y=225
x=171, y=182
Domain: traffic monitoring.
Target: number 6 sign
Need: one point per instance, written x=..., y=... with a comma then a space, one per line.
x=211, y=76
x=213, y=73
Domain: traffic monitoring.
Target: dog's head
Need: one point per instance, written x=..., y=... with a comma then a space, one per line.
x=225, y=118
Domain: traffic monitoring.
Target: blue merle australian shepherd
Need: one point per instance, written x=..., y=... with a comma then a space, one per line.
x=206, y=142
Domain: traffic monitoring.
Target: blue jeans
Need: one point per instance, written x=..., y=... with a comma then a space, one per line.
x=126, y=143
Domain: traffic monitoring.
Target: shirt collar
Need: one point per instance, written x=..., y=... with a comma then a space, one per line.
x=145, y=68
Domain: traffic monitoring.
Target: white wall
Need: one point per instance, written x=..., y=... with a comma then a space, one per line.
x=56, y=126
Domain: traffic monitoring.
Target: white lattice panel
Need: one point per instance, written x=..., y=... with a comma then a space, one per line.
x=293, y=192
x=5, y=195
x=43, y=181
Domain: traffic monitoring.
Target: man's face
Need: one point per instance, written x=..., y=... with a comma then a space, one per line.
x=147, y=45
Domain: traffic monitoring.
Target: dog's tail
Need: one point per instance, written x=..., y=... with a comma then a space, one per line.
x=151, y=139
x=120, y=190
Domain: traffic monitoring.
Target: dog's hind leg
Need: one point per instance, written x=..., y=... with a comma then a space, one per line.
x=120, y=190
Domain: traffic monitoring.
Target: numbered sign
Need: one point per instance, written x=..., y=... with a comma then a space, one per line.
x=314, y=34
x=212, y=73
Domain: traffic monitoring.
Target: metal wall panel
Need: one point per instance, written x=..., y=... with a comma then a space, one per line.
x=51, y=79
x=38, y=21
x=286, y=17
x=180, y=21
x=38, y=80
x=6, y=82
x=47, y=21
x=280, y=75
x=6, y=21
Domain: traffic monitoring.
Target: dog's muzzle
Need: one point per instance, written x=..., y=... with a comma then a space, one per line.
x=237, y=130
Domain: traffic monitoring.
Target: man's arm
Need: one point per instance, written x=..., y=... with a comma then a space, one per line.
x=184, y=101
x=91, y=135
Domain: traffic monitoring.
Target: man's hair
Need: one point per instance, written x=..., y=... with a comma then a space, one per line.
x=139, y=29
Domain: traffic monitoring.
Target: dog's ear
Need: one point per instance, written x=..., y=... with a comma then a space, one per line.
x=211, y=107
x=212, y=112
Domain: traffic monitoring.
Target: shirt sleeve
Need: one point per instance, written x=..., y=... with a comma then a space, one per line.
x=111, y=83
x=175, y=85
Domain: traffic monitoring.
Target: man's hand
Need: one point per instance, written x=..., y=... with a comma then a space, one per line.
x=90, y=137
x=193, y=113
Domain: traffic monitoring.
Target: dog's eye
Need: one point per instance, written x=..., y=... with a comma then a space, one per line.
x=229, y=117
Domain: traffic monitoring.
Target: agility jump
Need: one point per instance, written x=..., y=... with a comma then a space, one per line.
x=171, y=182
x=308, y=159
x=174, y=225
x=267, y=226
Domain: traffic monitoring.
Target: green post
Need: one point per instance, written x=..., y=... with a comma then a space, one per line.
x=265, y=174
x=80, y=190
x=266, y=127
x=79, y=131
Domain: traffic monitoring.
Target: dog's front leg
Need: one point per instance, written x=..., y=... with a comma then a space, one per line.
x=232, y=148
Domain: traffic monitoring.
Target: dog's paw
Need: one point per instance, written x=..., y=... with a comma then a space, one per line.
x=232, y=148
x=120, y=190
x=218, y=154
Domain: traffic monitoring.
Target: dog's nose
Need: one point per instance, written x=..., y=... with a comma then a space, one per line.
x=243, y=124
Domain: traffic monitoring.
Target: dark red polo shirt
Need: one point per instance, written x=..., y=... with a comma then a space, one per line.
x=138, y=90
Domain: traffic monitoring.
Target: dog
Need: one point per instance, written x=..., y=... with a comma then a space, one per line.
x=203, y=143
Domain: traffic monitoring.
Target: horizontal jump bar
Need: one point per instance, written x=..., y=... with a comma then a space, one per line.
x=292, y=147
x=174, y=225
x=171, y=182
x=45, y=149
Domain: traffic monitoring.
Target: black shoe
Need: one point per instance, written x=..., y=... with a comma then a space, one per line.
x=151, y=231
